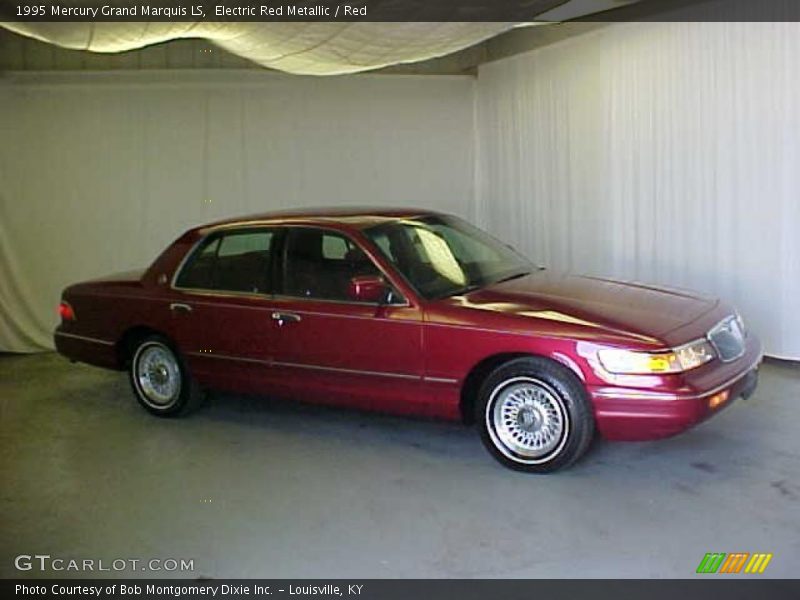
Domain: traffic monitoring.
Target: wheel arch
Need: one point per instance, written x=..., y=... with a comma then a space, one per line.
x=478, y=373
x=126, y=344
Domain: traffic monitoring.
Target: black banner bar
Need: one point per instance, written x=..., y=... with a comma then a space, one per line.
x=729, y=588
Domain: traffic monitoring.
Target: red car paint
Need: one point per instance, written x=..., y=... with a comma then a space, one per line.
x=424, y=358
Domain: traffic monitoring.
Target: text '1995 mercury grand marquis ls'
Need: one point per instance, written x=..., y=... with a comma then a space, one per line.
x=418, y=313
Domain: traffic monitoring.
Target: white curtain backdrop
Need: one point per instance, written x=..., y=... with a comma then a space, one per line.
x=99, y=172
x=660, y=152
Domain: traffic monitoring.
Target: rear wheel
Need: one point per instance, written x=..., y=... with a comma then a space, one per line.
x=534, y=415
x=160, y=380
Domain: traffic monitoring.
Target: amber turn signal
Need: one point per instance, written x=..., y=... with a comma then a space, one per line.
x=717, y=399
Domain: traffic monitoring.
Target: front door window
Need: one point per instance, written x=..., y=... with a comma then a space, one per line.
x=320, y=264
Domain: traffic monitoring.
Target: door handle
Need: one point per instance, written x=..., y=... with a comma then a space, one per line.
x=282, y=318
x=180, y=307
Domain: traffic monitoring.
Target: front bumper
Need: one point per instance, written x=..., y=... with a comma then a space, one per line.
x=635, y=414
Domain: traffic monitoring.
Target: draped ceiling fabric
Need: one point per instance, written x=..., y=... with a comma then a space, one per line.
x=658, y=152
x=318, y=48
x=300, y=48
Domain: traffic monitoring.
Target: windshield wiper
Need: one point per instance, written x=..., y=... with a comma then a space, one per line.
x=476, y=286
x=464, y=290
x=514, y=276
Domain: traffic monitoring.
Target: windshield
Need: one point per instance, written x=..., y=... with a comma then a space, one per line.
x=444, y=256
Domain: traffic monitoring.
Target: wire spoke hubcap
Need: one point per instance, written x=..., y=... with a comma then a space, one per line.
x=158, y=375
x=527, y=420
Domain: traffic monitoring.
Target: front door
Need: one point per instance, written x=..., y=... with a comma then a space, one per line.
x=332, y=349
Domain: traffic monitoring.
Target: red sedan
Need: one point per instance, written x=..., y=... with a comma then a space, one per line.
x=418, y=313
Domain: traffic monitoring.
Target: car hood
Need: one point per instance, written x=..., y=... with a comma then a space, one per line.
x=617, y=305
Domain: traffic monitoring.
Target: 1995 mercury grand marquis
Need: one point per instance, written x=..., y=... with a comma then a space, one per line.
x=412, y=312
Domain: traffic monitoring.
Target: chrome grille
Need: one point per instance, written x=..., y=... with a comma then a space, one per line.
x=728, y=339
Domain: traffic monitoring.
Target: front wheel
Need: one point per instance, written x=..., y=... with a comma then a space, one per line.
x=159, y=379
x=534, y=415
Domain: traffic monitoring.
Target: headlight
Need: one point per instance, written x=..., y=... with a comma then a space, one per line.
x=694, y=354
x=678, y=360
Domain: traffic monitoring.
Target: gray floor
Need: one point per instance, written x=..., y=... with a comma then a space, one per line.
x=250, y=487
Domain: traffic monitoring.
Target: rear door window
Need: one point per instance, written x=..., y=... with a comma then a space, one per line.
x=238, y=261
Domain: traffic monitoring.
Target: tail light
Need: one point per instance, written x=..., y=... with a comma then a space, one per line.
x=66, y=312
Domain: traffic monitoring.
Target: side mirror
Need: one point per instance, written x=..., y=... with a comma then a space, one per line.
x=368, y=288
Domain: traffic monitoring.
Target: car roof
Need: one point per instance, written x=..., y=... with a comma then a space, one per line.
x=357, y=217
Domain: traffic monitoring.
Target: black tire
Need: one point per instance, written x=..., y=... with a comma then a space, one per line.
x=553, y=412
x=181, y=394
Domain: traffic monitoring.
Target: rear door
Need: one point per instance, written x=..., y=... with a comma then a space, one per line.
x=332, y=349
x=221, y=309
